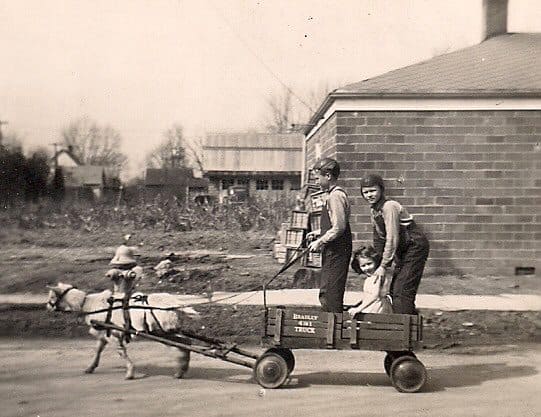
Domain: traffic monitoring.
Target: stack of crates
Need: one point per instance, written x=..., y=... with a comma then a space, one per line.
x=293, y=234
x=296, y=233
x=279, y=250
x=316, y=201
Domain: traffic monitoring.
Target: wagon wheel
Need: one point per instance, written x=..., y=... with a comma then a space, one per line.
x=270, y=370
x=287, y=354
x=391, y=356
x=408, y=374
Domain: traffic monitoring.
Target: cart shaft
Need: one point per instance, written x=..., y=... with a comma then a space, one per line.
x=213, y=351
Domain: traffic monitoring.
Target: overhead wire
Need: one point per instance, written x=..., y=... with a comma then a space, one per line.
x=258, y=58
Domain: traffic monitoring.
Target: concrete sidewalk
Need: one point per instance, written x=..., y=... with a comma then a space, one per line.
x=309, y=297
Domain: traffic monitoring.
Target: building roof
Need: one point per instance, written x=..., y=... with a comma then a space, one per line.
x=253, y=152
x=173, y=176
x=250, y=140
x=508, y=63
x=83, y=175
x=69, y=154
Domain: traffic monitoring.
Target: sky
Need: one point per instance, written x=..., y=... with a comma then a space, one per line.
x=141, y=66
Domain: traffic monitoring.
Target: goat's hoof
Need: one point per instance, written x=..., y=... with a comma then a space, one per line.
x=179, y=374
x=129, y=376
x=89, y=370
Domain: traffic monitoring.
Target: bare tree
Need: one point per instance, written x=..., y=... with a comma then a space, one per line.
x=194, y=152
x=93, y=144
x=287, y=111
x=280, y=112
x=171, y=152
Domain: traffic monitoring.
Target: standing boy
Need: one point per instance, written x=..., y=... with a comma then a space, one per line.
x=335, y=240
x=396, y=238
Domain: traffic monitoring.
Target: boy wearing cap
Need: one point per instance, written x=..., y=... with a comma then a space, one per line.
x=124, y=271
x=398, y=239
x=335, y=241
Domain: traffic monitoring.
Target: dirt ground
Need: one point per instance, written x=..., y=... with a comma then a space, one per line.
x=222, y=261
x=44, y=378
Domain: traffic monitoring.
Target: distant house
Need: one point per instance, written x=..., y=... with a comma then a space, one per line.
x=175, y=181
x=268, y=165
x=457, y=139
x=84, y=180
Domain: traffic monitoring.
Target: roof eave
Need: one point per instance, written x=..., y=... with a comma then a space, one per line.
x=455, y=94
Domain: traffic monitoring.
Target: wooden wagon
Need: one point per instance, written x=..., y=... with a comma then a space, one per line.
x=288, y=328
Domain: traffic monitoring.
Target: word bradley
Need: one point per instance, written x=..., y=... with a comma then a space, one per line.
x=304, y=317
x=305, y=323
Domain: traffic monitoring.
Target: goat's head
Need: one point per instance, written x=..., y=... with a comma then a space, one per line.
x=56, y=296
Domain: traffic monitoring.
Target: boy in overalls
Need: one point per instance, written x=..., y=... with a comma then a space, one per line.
x=335, y=240
x=398, y=239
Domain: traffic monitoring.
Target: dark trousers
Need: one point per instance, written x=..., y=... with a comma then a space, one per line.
x=409, y=265
x=334, y=273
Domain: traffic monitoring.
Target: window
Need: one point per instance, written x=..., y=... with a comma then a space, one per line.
x=295, y=185
x=243, y=181
x=262, y=185
x=226, y=183
x=277, y=184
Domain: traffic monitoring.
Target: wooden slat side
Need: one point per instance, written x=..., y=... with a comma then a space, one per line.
x=382, y=345
x=277, y=333
x=295, y=331
x=299, y=313
x=352, y=334
x=382, y=318
x=374, y=326
x=306, y=323
x=407, y=330
x=331, y=331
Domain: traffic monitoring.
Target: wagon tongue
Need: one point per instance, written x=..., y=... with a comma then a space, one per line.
x=286, y=266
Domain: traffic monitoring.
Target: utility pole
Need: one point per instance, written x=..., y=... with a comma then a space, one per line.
x=2, y=122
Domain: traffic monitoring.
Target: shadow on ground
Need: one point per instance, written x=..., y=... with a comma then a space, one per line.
x=438, y=378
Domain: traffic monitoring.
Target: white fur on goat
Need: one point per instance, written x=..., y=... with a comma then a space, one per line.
x=141, y=319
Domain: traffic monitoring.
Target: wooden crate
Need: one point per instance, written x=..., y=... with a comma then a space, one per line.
x=294, y=238
x=283, y=229
x=291, y=253
x=311, y=177
x=308, y=190
x=301, y=327
x=279, y=252
x=317, y=201
x=315, y=222
x=299, y=219
x=312, y=260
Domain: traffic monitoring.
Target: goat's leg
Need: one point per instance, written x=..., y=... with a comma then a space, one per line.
x=121, y=349
x=99, y=348
x=183, y=362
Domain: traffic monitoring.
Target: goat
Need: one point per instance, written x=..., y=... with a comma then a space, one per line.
x=65, y=297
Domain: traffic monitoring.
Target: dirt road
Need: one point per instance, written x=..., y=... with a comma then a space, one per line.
x=44, y=378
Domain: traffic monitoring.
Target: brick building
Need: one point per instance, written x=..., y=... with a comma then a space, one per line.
x=269, y=165
x=458, y=141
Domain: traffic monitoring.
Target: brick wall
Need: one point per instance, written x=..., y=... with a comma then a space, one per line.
x=471, y=178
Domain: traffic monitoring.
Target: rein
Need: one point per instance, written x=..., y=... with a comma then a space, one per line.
x=59, y=298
